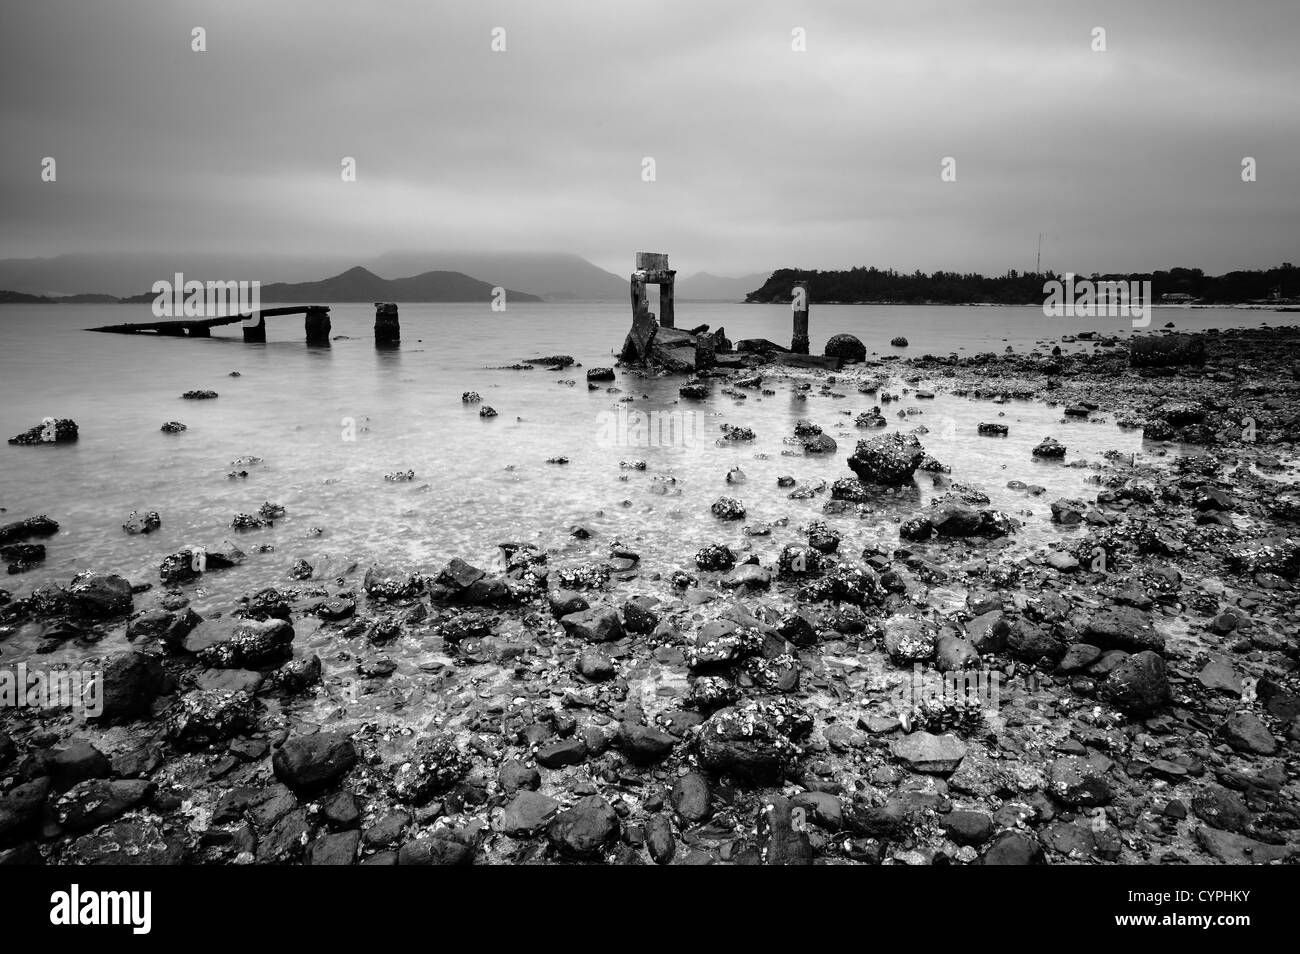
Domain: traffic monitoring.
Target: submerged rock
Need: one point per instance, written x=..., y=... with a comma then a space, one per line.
x=147, y=522
x=1050, y=449
x=40, y=526
x=49, y=431
x=728, y=508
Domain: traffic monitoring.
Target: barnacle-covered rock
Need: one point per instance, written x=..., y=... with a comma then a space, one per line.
x=390, y=583
x=889, y=459
x=755, y=739
x=722, y=642
x=715, y=556
x=208, y=717
x=435, y=765
x=50, y=431
x=858, y=585
x=728, y=508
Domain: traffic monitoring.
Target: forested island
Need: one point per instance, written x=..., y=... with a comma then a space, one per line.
x=1184, y=285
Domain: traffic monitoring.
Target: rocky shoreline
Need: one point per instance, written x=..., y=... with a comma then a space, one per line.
x=1146, y=706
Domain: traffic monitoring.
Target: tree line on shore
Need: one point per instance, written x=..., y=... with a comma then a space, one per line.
x=861, y=284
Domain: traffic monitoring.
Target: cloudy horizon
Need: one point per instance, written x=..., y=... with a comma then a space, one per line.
x=764, y=157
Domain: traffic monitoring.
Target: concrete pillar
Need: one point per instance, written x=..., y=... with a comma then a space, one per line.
x=387, y=329
x=666, y=315
x=256, y=333
x=640, y=303
x=799, y=305
x=317, y=325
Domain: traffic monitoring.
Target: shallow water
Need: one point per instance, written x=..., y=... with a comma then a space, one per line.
x=478, y=481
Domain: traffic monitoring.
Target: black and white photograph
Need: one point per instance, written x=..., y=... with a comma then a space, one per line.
x=650, y=433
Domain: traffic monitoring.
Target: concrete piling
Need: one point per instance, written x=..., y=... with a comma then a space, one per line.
x=799, y=306
x=387, y=329
x=316, y=324
x=666, y=315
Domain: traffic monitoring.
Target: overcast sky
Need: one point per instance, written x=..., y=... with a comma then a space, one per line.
x=1127, y=159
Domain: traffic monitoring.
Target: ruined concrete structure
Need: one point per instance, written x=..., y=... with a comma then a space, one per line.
x=652, y=269
x=663, y=346
x=316, y=324
x=660, y=342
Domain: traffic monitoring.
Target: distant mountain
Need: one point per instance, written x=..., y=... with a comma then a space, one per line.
x=356, y=284
x=125, y=274
x=556, y=276
x=18, y=298
x=702, y=286
x=361, y=284
x=22, y=298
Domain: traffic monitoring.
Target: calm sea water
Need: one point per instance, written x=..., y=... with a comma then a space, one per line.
x=478, y=482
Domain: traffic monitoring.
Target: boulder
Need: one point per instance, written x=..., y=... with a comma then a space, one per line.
x=1246, y=733
x=848, y=347
x=585, y=828
x=128, y=685
x=1049, y=449
x=599, y=624
x=932, y=754
x=232, y=643
x=889, y=459
x=201, y=719
x=659, y=839
x=753, y=740
x=41, y=526
x=436, y=850
x=1123, y=627
x=96, y=802
x=434, y=766
x=1138, y=685
x=100, y=595
x=909, y=639
x=312, y=763
x=644, y=744
x=528, y=813
x=691, y=797
x=50, y=431
x=392, y=584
